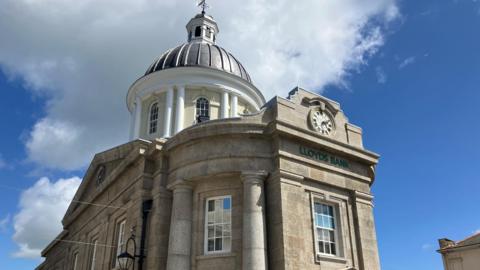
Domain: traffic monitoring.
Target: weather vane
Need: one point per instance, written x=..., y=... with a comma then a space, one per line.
x=203, y=4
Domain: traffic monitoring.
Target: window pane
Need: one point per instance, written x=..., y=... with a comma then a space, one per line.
x=332, y=236
x=218, y=244
x=211, y=217
x=227, y=230
x=332, y=248
x=324, y=222
x=327, y=249
x=226, y=216
x=319, y=234
x=211, y=205
x=210, y=232
x=218, y=205
x=320, y=247
x=211, y=243
x=218, y=216
x=330, y=210
x=218, y=230
x=318, y=220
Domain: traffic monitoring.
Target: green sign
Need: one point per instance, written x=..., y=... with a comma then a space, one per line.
x=322, y=156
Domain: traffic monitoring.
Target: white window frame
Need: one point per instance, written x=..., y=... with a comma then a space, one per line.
x=120, y=239
x=195, y=106
x=336, y=230
x=155, y=121
x=75, y=260
x=94, y=254
x=224, y=250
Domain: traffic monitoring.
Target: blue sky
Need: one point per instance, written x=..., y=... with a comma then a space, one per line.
x=416, y=96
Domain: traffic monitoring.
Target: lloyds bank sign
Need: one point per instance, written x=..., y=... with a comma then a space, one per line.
x=322, y=156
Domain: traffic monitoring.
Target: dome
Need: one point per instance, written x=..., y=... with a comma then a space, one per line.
x=199, y=54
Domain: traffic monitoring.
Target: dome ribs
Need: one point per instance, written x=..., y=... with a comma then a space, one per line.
x=199, y=54
x=227, y=63
x=237, y=69
x=186, y=53
x=171, y=59
x=204, y=56
x=216, y=55
x=192, y=56
x=179, y=55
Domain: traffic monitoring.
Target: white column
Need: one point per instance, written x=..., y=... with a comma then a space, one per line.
x=234, y=106
x=132, y=122
x=180, y=109
x=254, y=227
x=224, y=111
x=167, y=121
x=180, y=240
x=138, y=117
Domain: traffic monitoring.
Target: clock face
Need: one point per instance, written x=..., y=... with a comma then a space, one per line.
x=322, y=122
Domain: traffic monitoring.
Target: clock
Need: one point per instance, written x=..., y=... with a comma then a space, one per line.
x=321, y=121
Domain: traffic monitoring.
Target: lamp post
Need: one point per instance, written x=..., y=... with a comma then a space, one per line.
x=125, y=259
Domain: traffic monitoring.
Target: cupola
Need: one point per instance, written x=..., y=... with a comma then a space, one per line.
x=194, y=82
x=202, y=28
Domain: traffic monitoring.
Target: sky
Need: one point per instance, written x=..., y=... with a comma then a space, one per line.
x=407, y=72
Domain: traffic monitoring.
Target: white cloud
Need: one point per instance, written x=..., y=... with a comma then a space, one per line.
x=407, y=61
x=48, y=134
x=4, y=222
x=381, y=75
x=427, y=247
x=3, y=164
x=84, y=54
x=42, y=207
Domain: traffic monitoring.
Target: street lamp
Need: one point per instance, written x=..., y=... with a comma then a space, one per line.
x=125, y=259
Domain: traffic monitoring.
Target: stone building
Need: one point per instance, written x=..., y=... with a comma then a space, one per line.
x=461, y=255
x=215, y=177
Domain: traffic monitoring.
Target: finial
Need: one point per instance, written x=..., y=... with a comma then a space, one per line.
x=203, y=4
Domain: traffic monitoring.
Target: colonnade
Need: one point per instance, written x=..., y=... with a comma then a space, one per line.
x=228, y=108
x=254, y=253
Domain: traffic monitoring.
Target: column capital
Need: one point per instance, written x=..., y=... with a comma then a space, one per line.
x=362, y=197
x=180, y=185
x=253, y=175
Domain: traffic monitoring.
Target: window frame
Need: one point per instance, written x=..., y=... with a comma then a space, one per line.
x=205, y=229
x=119, y=245
x=93, y=257
x=321, y=199
x=195, y=115
x=75, y=260
x=150, y=121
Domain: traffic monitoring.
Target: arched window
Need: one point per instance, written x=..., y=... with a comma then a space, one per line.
x=153, y=121
x=202, y=110
x=198, y=31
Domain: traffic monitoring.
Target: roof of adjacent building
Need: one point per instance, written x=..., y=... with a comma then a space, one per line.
x=199, y=54
x=469, y=241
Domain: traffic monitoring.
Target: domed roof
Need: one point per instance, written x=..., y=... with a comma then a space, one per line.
x=199, y=54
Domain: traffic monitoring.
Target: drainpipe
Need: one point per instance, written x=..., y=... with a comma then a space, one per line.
x=146, y=208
